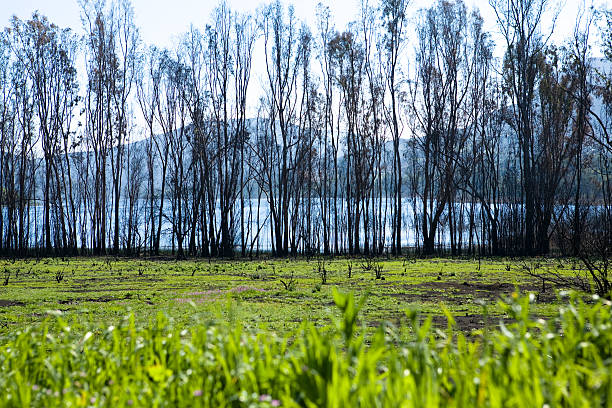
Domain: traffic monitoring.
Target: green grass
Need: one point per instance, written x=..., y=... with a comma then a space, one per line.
x=432, y=333
x=563, y=362
x=104, y=290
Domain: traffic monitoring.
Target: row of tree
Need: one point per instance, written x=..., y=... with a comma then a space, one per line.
x=364, y=140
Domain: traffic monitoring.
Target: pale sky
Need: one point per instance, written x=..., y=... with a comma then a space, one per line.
x=162, y=22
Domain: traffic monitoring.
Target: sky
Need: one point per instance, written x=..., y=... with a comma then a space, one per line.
x=161, y=22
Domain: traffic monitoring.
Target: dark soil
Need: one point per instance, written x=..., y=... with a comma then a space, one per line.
x=10, y=303
x=449, y=291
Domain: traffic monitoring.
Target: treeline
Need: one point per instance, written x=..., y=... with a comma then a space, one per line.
x=397, y=129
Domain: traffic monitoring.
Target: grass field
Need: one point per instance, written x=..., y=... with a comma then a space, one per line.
x=395, y=333
x=275, y=294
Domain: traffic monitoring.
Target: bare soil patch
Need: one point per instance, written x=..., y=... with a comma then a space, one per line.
x=446, y=291
x=10, y=303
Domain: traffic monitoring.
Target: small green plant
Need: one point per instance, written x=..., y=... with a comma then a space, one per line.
x=59, y=275
x=289, y=282
x=378, y=269
x=367, y=264
x=322, y=271
x=7, y=276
